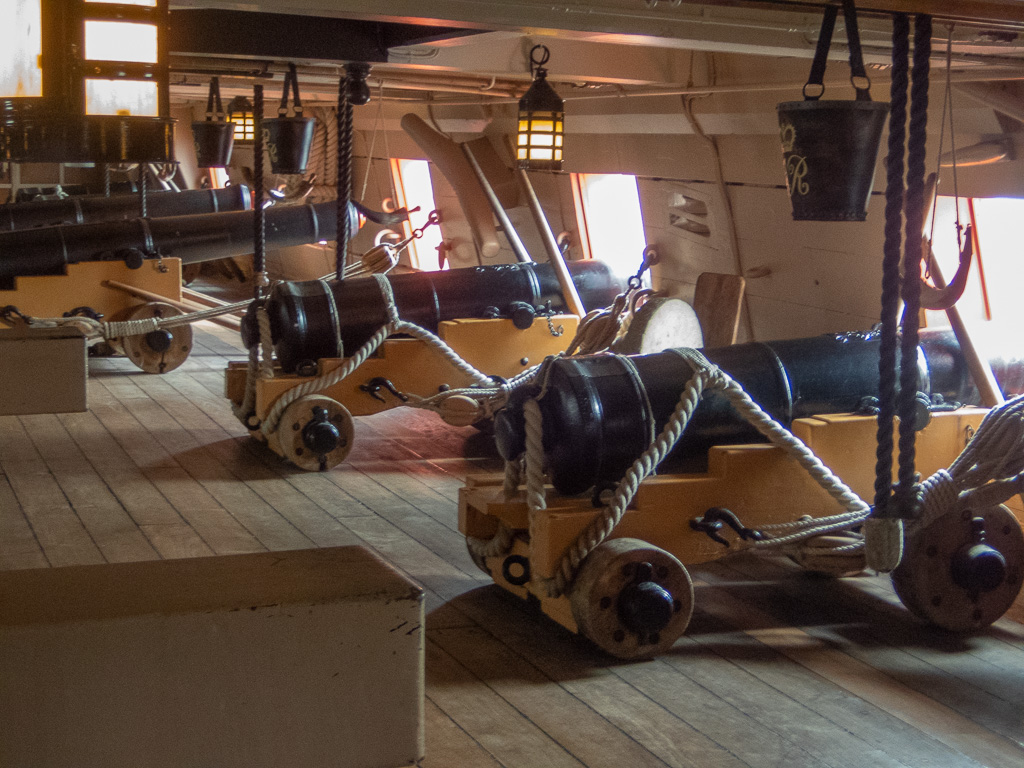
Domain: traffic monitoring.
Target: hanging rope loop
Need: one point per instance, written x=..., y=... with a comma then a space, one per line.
x=291, y=83
x=214, y=108
x=814, y=88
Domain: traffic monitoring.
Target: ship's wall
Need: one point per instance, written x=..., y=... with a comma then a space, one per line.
x=802, y=277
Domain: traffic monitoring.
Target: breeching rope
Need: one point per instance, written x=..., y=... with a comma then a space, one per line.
x=99, y=329
x=706, y=378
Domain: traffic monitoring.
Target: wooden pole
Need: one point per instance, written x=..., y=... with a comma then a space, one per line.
x=569, y=292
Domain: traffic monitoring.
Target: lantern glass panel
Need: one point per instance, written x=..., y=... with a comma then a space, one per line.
x=244, y=125
x=21, y=47
x=120, y=41
x=146, y=3
x=137, y=98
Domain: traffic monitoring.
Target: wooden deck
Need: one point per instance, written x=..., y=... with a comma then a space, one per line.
x=777, y=668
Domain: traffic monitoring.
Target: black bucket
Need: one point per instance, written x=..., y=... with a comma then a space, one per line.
x=830, y=149
x=288, y=141
x=213, y=142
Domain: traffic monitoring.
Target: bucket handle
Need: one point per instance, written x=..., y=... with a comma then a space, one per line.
x=857, y=72
x=291, y=79
x=214, y=115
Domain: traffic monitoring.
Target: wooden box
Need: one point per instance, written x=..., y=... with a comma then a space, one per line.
x=309, y=658
x=42, y=370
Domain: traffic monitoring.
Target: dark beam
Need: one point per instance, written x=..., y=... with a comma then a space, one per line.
x=285, y=36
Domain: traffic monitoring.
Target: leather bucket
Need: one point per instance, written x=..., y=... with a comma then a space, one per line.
x=288, y=141
x=213, y=141
x=830, y=148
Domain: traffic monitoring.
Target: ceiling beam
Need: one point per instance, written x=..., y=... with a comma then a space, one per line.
x=293, y=36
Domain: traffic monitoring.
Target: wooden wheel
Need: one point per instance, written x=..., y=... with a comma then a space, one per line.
x=963, y=571
x=660, y=323
x=316, y=432
x=161, y=350
x=632, y=599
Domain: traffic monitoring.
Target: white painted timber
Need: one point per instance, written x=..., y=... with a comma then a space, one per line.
x=309, y=658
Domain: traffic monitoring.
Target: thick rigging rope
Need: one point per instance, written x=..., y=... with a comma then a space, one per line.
x=907, y=490
x=888, y=340
x=344, y=174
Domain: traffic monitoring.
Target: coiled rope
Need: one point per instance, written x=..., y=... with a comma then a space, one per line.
x=987, y=472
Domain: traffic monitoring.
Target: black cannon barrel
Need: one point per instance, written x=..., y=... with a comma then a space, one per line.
x=203, y=237
x=600, y=413
x=304, y=315
x=85, y=209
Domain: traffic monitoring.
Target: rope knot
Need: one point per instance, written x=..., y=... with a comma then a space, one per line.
x=939, y=495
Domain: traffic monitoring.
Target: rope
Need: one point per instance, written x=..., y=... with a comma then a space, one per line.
x=98, y=329
x=344, y=175
x=266, y=342
x=987, y=472
x=259, y=215
x=244, y=410
x=394, y=326
x=707, y=377
x=143, y=184
x=907, y=490
x=888, y=339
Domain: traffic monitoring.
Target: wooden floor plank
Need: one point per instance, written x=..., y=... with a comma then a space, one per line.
x=244, y=522
x=269, y=509
x=116, y=534
x=55, y=524
x=979, y=676
x=447, y=744
x=593, y=678
x=565, y=718
x=19, y=547
x=880, y=687
x=479, y=711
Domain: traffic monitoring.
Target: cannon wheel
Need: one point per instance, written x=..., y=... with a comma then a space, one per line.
x=632, y=599
x=316, y=433
x=961, y=574
x=159, y=351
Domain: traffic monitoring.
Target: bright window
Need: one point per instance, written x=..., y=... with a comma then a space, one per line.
x=610, y=223
x=993, y=287
x=414, y=190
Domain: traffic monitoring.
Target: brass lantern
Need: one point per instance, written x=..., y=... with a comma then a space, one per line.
x=86, y=81
x=541, y=119
x=240, y=112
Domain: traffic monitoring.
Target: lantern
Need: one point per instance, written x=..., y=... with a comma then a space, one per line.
x=541, y=119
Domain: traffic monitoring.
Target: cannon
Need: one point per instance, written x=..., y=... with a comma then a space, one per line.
x=316, y=319
x=190, y=239
x=87, y=209
x=723, y=485
x=602, y=410
x=501, y=319
x=105, y=267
